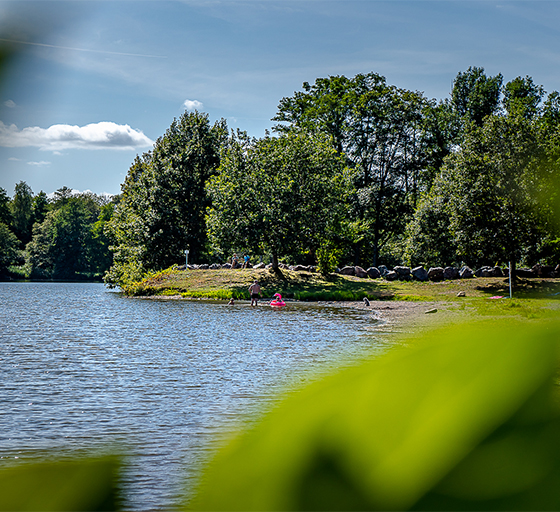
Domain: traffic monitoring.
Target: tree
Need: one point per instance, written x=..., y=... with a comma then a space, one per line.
x=476, y=96
x=282, y=195
x=5, y=211
x=8, y=247
x=162, y=209
x=378, y=128
x=22, y=212
x=70, y=240
x=486, y=189
x=40, y=207
x=522, y=97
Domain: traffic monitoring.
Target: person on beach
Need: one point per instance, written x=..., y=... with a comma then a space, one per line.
x=234, y=260
x=255, y=291
x=246, y=259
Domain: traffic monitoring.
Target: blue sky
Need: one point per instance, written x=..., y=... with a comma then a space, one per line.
x=95, y=83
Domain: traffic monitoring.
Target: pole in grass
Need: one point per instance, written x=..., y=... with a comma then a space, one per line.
x=509, y=273
x=186, y=258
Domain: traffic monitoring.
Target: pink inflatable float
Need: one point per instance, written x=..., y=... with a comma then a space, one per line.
x=277, y=302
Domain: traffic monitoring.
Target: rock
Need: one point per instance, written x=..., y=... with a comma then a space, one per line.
x=182, y=267
x=420, y=273
x=466, y=273
x=488, y=272
x=214, y=266
x=373, y=272
x=366, y=302
x=435, y=274
x=403, y=272
x=347, y=271
x=259, y=265
x=312, y=268
x=497, y=272
x=525, y=272
x=299, y=268
x=461, y=294
x=433, y=310
x=268, y=266
x=391, y=275
x=226, y=265
x=383, y=270
x=360, y=272
x=204, y=266
x=544, y=270
x=283, y=266
x=450, y=273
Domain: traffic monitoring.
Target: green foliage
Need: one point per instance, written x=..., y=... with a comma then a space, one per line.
x=522, y=97
x=8, y=247
x=70, y=239
x=65, y=485
x=464, y=419
x=328, y=257
x=476, y=96
x=162, y=208
x=282, y=195
x=22, y=212
x=380, y=130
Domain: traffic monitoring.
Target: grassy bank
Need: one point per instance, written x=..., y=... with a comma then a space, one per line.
x=223, y=284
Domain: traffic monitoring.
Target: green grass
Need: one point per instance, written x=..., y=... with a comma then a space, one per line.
x=306, y=286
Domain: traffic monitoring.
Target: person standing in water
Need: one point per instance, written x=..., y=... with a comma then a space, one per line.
x=255, y=291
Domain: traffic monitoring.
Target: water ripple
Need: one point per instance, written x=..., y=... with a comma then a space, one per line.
x=83, y=367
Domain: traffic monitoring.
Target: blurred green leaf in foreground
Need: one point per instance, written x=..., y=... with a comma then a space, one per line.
x=465, y=419
x=77, y=484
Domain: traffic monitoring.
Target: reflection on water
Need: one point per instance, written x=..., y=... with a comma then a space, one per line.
x=82, y=367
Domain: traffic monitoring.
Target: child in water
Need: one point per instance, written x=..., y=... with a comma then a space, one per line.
x=231, y=302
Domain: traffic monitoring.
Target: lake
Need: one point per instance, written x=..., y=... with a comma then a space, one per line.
x=84, y=368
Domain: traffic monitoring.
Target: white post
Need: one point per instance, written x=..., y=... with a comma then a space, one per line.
x=510, y=280
x=186, y=258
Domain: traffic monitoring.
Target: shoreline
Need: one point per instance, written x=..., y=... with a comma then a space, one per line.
x=392, y=317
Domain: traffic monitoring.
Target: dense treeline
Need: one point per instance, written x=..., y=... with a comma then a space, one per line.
x=58, y=238
x=357, y=172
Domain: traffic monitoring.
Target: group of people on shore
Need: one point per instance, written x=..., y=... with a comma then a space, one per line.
x=235, y=261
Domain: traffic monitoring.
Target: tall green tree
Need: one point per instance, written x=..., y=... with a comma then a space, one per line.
x=487, y=191
x=522, y=97
x=281, y=195
x=70, y=240
x=476, y=96
x=8, y=247
x=379, y=130
x=163, y=202
x=40, y=207
x=22, y=212
x=5, y=211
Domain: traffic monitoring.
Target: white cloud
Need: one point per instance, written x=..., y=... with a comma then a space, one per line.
x=193, y=105
x=14, y=159
x=9, y=104
x=42, y=163
x=103, y=135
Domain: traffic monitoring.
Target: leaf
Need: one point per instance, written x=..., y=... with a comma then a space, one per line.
x=384, y=434
x=69, y=485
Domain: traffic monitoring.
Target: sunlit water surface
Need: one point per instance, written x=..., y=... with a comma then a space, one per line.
x=84, y=368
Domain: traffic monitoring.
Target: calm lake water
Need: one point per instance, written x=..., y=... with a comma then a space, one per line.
x=83, y=368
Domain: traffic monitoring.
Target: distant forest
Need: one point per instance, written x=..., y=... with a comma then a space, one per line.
x=356, y=172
